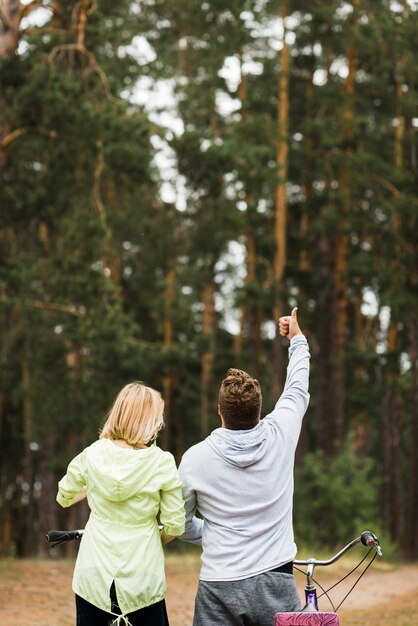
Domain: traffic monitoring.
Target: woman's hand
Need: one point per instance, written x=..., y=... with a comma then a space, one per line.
x=165, y=538
x=80, y=496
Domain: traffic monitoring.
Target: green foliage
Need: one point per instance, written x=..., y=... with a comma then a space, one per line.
x=87, y=241
x=335, y=498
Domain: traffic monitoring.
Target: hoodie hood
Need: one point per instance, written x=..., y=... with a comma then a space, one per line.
x=117, y=473
x=239, y=447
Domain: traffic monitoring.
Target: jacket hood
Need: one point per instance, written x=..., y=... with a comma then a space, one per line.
x=239, y=447
x=115, y=472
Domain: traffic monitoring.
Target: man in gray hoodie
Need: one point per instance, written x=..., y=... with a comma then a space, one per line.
x=240, y=481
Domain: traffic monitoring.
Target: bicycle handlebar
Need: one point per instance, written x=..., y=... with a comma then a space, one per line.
x=58, y=537
x=367, y=538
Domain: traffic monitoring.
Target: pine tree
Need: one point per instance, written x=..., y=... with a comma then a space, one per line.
x=76, y=161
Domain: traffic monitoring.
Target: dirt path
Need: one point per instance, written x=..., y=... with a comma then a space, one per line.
x=38, y=593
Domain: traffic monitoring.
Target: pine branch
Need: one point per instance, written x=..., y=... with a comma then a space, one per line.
x=92, y=64
x=100, y=166
x=70, y=309
x=5, y=19
x=19, y=132
x=142, y=342
x=76, y=311
x=386, y=184
x=32, y=6
x=10, y=137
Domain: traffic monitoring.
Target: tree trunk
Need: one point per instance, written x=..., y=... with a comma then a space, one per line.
x=411, y=537
x=393, y=484
x=48, y=507
x=279, y=262
x=9, y=39
x=167, y=345
x=250, y=313
x=207, y=393
x=10, y=16
x=27, y=496
x=7, y=492
x=326, y=434
x=7, y=481
x=393, y=508
x=250, y=317
x=334, y=311
x=343, y=241
x=408, y=540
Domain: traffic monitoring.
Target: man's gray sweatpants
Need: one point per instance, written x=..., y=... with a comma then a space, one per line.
x=249, y=602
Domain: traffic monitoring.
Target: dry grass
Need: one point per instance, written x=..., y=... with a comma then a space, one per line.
x=38, y=593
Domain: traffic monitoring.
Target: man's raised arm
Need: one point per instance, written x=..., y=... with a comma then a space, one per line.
x=292, y=404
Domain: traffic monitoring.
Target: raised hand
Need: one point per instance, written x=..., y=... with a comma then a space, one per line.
x=288, y=325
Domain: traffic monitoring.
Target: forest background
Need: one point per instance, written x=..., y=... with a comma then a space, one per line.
x=174, y=176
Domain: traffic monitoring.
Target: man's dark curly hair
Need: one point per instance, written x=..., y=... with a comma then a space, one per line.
x=240, y=400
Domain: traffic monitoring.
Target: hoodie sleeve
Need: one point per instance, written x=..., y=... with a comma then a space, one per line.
x=194, y=525
x=171, y=501
x=292, y=404
x=70, y=486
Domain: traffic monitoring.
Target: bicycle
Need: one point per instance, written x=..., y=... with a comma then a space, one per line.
x=310, y=615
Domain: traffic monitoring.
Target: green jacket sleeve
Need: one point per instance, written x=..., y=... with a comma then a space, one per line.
x=73, y=482
x=172, y=514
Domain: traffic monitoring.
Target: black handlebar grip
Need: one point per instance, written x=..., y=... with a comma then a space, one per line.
x=368, y=538
x=62, y=535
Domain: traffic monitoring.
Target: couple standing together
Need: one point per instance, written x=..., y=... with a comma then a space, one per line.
x=240, y=482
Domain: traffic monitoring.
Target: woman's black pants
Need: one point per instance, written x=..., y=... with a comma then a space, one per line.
x=90, y=615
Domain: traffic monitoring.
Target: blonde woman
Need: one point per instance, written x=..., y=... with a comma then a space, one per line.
x=119, y=574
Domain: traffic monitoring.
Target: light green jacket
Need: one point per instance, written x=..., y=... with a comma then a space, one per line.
x=126, y=490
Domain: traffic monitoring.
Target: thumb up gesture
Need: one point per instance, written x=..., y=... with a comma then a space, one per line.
x=288, y=325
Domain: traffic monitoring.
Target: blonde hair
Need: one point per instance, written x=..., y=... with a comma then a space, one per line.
x=136, y=416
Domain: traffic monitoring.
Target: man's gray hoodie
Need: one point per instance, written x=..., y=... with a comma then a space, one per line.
x=241, y=483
